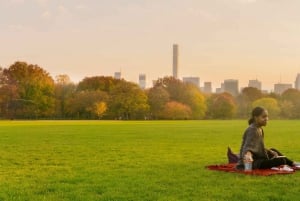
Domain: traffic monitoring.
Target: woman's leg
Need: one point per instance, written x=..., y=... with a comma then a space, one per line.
x=269, y=163
x=279, y=154
x=288, y=161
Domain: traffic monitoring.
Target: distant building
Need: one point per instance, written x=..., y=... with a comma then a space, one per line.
x=281, y=87
x=142, y=81
x=192, y=80
x=297, y=82
x=255, y=84
x=175, y=61
x=117, y=75
x=207, y=88
x=231, y=86
x=221, y=89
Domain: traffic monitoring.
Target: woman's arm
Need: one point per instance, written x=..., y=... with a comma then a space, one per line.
x=251, y=141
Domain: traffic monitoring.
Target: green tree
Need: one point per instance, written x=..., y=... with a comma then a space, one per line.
x=82, y=104
x=245, y=100
x=158, y=96
x=192, y=97
x=172, y=85
x=101, y=83
x=128, y=101
x=271, y=104
x=290, y=104
x=287, y=109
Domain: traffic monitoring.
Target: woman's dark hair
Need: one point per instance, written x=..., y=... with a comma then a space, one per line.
x=255, y=113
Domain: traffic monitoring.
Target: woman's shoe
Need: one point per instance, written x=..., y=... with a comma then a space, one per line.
x=296, y=165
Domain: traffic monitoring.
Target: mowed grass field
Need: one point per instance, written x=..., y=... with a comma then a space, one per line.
x=136, y=160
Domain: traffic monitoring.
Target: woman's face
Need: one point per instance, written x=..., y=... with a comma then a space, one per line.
x=262, y=119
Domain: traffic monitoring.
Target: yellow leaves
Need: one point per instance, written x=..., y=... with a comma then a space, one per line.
x=100, y=108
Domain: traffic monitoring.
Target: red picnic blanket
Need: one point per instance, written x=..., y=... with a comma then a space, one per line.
x=261, y=172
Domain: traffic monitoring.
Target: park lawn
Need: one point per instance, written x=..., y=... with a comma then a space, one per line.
x=136, y=160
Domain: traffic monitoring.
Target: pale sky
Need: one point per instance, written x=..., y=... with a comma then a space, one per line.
x=218, y=39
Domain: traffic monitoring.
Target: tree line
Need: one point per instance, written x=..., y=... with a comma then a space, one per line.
x=28, y=92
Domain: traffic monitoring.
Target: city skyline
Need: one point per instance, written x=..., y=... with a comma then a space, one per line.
x=218, y=40
x=143, y=83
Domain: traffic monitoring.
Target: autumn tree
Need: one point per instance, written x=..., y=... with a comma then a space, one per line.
x=102, y=83
x=64, y=89
x=245, y=99
x=192, y=97
x=125, y=99
x=185, y=93
x=287, y=109
x=82, y=104
x=128, y=101
x=176, y=111
x=173, y=86
x=221, y=106
x=271, y=104
x=7, y=94
x=28, y=91
x=158, y=96
x=100, y=108
x=290, y=104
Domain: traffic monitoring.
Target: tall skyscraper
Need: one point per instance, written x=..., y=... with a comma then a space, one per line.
x=142, y=81
x=281, y=87
x=255, y=84
x=231, y=86
x=175, y=61
x=193, y=80
x=297, y=82
x=207, y=87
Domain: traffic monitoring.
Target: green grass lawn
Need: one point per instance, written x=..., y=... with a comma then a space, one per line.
x=136, y=160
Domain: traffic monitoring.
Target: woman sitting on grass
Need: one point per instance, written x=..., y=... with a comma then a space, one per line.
x=253, y=147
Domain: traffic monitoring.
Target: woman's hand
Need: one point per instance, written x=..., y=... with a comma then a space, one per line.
x=248, y=157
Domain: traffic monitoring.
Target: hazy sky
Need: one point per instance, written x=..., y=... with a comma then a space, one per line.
x=218, y=39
